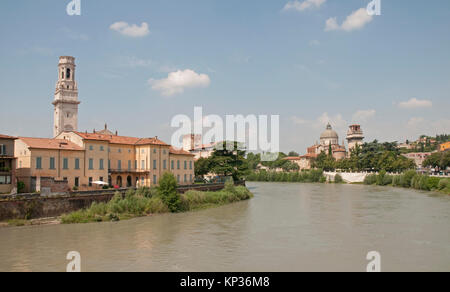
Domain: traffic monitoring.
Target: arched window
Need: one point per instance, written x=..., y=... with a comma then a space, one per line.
x=68, y=73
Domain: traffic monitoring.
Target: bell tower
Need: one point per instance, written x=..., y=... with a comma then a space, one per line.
x=66, y=97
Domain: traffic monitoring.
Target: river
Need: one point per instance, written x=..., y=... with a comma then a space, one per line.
x=286, y=227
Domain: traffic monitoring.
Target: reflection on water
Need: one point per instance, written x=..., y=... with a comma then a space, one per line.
x=286, y=227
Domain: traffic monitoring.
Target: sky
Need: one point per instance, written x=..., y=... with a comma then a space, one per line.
x=140, y=63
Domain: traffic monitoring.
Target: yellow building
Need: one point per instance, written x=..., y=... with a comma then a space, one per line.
x=82, y=159
x=444, y=146
x=85, y=160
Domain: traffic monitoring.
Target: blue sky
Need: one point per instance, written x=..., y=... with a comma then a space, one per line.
x=390, y=73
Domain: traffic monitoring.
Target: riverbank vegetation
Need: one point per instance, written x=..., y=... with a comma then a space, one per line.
x=410, y=179
x=164, y=199
x=310, y=176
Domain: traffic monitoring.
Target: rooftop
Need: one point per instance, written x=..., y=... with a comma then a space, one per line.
x=123, y=140
x=53, y=144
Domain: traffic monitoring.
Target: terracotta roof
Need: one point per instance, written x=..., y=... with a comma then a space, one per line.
x=121, y=139
x=205, y=146
x=54, y=144
x=179, y=152
x=7, y=137
x=309, y=155
x=292, y=158
x=340, y=150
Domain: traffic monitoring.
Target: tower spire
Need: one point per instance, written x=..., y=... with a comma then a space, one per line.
x=66, y=97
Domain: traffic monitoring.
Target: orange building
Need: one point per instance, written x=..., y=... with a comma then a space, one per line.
x=444, y=146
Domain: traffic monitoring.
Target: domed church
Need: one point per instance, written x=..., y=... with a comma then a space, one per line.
x=329, y=138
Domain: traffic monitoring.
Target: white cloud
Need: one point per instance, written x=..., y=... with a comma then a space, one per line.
x=331, y=24
x=415, y=103
x=299, y=121
x=363, y=115
x=414, y=122
x=177, y=82
x=314, y=43
x=337, y=121
x=355, y=21
x=130, y=30
x=301, y=6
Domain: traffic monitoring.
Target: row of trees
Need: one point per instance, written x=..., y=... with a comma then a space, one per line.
x=439, y=160
x=373, y=156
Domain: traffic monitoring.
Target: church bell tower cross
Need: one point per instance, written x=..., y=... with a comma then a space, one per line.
x=66, y=97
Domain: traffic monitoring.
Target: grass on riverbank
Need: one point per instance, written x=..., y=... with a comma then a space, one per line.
x=410, y=179
x=146, y=202
x=310, y=176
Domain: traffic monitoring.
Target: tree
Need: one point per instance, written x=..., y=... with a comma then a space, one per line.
x=325, y=162
x=202, y=167
x=293, y=154
x=253, y=160
x=168, y=191
x=229, y=162
x=439, y=159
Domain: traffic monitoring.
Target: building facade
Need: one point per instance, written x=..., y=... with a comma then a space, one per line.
x=86, y=161
x=7, y=164
x=355, y=137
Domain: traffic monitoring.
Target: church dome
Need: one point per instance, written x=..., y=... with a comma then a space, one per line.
x=329, y=134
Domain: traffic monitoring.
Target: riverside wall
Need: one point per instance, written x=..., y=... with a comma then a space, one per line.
x=34, y=206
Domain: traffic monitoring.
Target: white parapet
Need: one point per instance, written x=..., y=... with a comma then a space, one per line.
x=348, y=177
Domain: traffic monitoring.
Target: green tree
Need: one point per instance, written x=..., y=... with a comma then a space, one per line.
x=229, y=162
x=168, y=192
x=202, y=167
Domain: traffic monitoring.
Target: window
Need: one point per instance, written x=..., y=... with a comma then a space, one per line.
x=2, y=149
x=165, y=164
x=102, y=148
x=101, y=164
x=77, y=182
x=172, y=164
x=155, y=180
x=119, y=165
x=178, y=178
x=91, y=163
x=90, y=181
x=178, y=164
x=5, y=179
x=142, y=151
x=38, y=162
x=185, y=165
x=65, y=163
x=52, y=162
x=143, y=164
x=129, y=164
x=185, y=178
x=109, y=164
x=135, y=164
x=120, y=150
x=190, y=178
x=65, y=179
x=142, y=181
x=190, y=165
x=77, y=163
x=154, y=164
x=101, y=178
x=164, y=152
x=68, y=73
x=91, y=147
x=154, y=151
